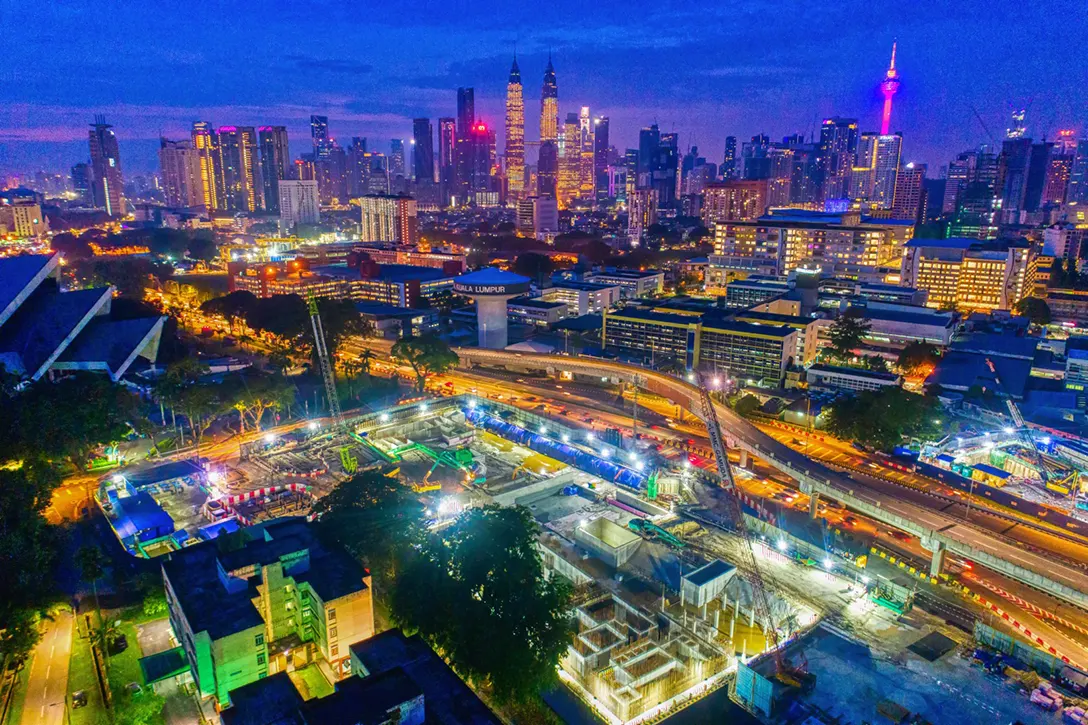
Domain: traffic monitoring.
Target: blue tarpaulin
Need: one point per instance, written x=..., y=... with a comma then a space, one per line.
x=211, y=531
x=163, y=473
x=559, y=451
x=141, y=517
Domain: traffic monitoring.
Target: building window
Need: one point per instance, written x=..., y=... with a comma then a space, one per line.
x=259, y=640
x=260, y=659
x=332, y=615
x=332, y=632
x=335, y=650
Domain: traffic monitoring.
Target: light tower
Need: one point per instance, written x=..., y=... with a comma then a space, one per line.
x=491, y=288
x=888, y=87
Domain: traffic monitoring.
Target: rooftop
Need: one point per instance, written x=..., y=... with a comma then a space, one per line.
x=628, y=273
x=709, y=572
x=649, y=316
x=492, y=275
x=858, y=372
x=747, y=328
x=535, y=303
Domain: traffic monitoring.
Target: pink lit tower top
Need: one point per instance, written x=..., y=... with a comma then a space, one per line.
x=888, y=87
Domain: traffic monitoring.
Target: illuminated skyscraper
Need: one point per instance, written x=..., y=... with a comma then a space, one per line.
x=239, y=169
x=549, y=106
x=1018, y=128
x=204, y=143
x=108, y=186
x=423, y=151
x=585, y=151
x=447, y=156
x=888, y=151
x=838, y=150
x=515, y=134
x=601, y=161
x=729, y=161
x=909, y=197
x=466, y=111
x=275, y=157
x=319, y=133
x=547, y=174
x=888, y=88
x=569, y=162
x=180, y=173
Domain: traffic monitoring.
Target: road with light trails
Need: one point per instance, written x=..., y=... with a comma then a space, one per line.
x=47, y=688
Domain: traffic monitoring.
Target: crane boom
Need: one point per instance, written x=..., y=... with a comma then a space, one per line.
x=1021, y=425
x=325, y=364
x=760, y=597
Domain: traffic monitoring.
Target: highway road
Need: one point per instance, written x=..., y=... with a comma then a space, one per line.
x=46, y=697
x=798, y=465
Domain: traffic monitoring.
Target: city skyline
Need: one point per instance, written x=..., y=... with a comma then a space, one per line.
x=637, y=74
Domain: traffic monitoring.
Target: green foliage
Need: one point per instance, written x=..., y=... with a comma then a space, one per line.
x=1035, y=309
x=477, y=592
x=373, y=516
x=91, y=563
x=847, y=332
x=282, y=315
x=747, y=405
x=19, y=635
x=917, y=356
x=882, y=418
x=876, y=363
x=130, y=275
x=254, y=395
x=427, y=355
x=536, y=267
x=68, y=419
x=233, y=307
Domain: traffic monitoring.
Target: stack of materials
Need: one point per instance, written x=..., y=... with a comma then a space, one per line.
x=1046, y=697
x=1074, y=716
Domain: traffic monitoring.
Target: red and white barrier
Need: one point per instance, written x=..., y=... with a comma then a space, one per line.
x=1026, y=604
x=266, y=491
x=1023, y=629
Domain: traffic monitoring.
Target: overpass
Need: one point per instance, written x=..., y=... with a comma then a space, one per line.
x=939, y=532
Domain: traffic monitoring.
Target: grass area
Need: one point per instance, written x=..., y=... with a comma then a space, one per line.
x=81, y=676
x=125, y=666
x=310, y=683
x=146, y=707
x=18, y=699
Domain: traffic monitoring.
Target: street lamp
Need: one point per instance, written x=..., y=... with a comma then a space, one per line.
x=384, y=417
x=269, y=438
x=781, y=545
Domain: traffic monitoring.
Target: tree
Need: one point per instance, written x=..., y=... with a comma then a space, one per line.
x=282, y=315
x=876, y=363
x=373, y=516
x=254, y=395
x=847, y=332
x=918, y=357
x=1035, y=309
x=341, y=320
x=477, y=592
x=747, y=405
x=882, y=418
x=234, y=307
x=427, y=355
x=536, y=267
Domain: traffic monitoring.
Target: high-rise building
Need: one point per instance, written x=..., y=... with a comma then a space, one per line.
x=1057, y=176
x=909, y=197
x=729, y=160
x=889, y=149
x=838, y=150
x=466, y=111
x=205, y=145
x=447, y=157
x=358, y=167
x=547, y=172
x=514, y=150
x=601, y=159
x=863, y=172
x=586, y=183
x=423, y=151
x=631, y=158
x=966, y=274
x=1013, y=164
x=641, y=213
x=1017, y=128
x=1078, y=175
x=181, y=180
x=83, y=183
x=649, y=142
x=549, y=106
x=297, y=202
x=1038, y=168
x=734, y=200
x=397, y=163
x=475, y=162
x=332, y=172
x=888, y=88
x=239, y=169
x=319, y=134
x=388, y=219
x=976, y=212
x=107, y=184
x=569, y=162
x=275, y=157
x=961, y=171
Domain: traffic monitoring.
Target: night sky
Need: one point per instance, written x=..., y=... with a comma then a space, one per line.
x=705, y=70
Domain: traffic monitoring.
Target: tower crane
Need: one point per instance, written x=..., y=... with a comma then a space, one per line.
x=786, y=672
x=1021, y=425
x=325, y=363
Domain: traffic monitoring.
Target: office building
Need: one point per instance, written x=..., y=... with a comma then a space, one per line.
x=205, y=143
x=729, y=160
x=601, y=161
x=386, y=253
x=22, y=219
x=838, y=149
x=966, y=274
x=319, y=135
x=388, y=219
x=275, y=158
x=549, y=106
x=586, y=175
x=423, y=151
x=889, y=150
x=909, y=198
x=569, y=148
x=107, y=184
x=332, y=174
x=1077, y=191
x=360, y=279
x=536, y=312
x=827, y=378
x=397, y=165
x=734, y=200
x=83, y=183
x=279, y=603
x=633, y=284
x=239, y=169
x=547, y=172
x=298, y=203
x=447, y=157
x=976, y=213
x=1013, y=164
x=642, y=207
x=514, y=150
x=582, y=298
x=181, y=180
x=466, y=111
